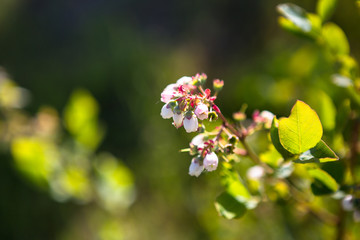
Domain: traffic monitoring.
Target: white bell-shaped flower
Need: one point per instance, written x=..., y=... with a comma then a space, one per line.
x=178, y=119
x=267, y=116
x=202, y=111
x=348, y=203
x=184, y=80
x=195, y=168
x=191, y=123
x=211, y=161
x=166, y=112
x=255, y=173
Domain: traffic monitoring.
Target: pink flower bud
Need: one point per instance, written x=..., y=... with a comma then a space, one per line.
x=178, y=119
x=202, y=111
x=166, y=111
x=191, y=123
x=195, y=168
x=218, y=84
x=211, y=161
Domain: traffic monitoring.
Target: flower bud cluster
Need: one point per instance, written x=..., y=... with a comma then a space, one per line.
x=205, y=158
x=264, y=117
x=185, y=103
x=350, y=203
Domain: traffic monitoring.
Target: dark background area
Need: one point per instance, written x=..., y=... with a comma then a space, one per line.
x=125, y=53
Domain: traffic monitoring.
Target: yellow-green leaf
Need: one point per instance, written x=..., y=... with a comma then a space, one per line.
x=274, y=134
x=335, y=39
x=302, y=130
x=320, y=153
x=325, y=8
x=323, y=182
x=229, y=207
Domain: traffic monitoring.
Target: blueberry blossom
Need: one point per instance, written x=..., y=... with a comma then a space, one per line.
x=191, y=123
x=255, y=173
x=178, y=119
x=202, y=111
x=267, y=116
x=199, y=141
x=348, y=203
x=211, y=161
x=195, y=168
x=166, y=111
x=169, y=92
x=184, y=80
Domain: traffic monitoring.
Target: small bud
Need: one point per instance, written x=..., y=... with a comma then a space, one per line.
x=228, y=148
x=348, y=203
x=232, y=139
x=211, y=161
x=216, y=108
x=202, y=111
x=213, y=116
x=218, y=85
x=191, y=123
x=195, y=168
x=239, y=116
x=166, y=112
x=201, y=128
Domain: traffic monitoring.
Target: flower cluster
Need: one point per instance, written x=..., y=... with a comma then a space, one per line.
x=350, y=203
x=205, y=157
x=185, y=103
x=188, y=104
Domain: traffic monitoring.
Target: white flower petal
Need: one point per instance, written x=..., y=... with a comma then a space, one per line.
x=211, y=161
x=166, y=112
x=195, y=168
x=184, y=80
x=348, y=203
x=202, y=111
x=267, y=115
x=255, y=172
x=178, y=119
x=192, y=124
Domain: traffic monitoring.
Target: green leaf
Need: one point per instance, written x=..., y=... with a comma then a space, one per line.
x=325, y=8
x=335, y=39
x=320, y=153
x=232, y=182
x=302, y=130
x=323, y=182
x=274, y=134
x=271, y=157
x=229, y=207
x=236, y=199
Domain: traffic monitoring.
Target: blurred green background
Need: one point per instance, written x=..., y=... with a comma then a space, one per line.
x=125, y=53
